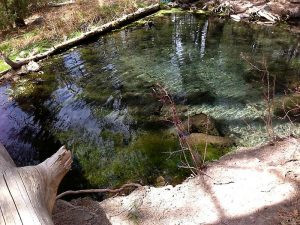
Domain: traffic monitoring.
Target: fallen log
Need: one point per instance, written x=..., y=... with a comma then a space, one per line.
x=28, y=194
x=86, y=36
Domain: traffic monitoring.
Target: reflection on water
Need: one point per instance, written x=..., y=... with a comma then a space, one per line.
x=97, y=98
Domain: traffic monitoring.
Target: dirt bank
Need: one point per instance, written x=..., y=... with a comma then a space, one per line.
x=249, y=186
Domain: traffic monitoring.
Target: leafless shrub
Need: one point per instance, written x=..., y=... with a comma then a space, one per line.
x=268, y=82
x=192, y=159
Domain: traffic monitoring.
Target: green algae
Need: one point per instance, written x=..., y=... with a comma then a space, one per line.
x=141, y=161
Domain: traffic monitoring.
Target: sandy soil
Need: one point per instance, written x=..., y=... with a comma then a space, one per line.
x=250, y=186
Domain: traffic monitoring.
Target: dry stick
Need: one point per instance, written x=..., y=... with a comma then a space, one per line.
x=206, y=142
x=99, y=190
x=269, y=99
x=166, y=99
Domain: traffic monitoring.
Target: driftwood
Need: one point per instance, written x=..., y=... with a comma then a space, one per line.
x=84, y=37
x=28, y=194
x=130, y=185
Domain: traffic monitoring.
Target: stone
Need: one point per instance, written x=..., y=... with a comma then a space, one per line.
x=235, y=17
x=33, y=67
x=173, y=4
x=22, y=71
x=160, y=181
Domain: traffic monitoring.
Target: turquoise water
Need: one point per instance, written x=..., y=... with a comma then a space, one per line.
x=97, y=99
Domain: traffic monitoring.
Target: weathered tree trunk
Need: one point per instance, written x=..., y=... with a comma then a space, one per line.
x=27, y=194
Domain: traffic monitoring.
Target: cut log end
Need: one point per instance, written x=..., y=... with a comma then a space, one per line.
x=53, y=170
x=28, y=193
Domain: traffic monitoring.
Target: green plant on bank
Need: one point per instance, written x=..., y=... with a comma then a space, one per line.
x=3, y=66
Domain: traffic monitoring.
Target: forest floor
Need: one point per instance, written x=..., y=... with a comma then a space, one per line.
x=258, y=186
x=50, y=25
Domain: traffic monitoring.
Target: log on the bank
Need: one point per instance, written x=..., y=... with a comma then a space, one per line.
x=28, y=194
x=88, y=35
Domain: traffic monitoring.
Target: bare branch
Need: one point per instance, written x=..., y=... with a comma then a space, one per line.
x=99, y=190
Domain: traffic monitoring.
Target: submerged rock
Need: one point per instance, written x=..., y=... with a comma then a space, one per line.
x=160, y=181
x=201, y=123
x=200, y=138
x=33, y=67
x=30, y=67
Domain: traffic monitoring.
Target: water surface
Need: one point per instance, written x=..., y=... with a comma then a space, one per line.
x=97, y=98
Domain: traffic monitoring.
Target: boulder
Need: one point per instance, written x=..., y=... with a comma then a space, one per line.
x=22, y=71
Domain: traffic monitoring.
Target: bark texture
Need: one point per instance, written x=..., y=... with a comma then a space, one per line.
x=27, y=194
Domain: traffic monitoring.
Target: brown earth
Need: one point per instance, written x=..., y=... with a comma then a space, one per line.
x=257, y=186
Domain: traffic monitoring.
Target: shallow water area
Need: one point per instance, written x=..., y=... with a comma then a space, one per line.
x=97, y=98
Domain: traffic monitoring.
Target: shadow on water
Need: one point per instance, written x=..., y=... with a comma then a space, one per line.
x=97, y=98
